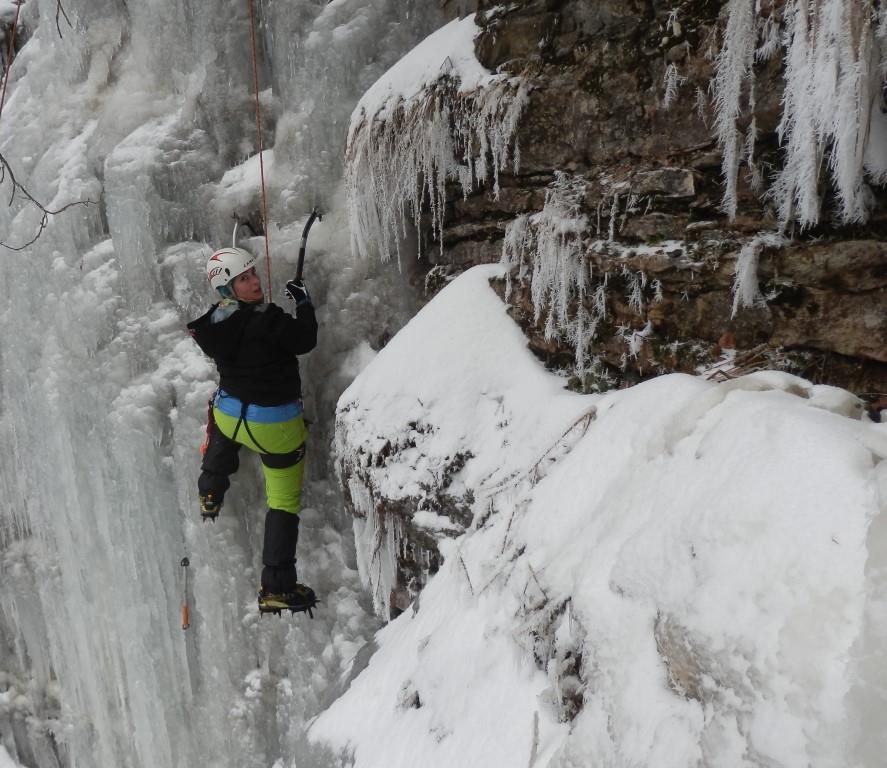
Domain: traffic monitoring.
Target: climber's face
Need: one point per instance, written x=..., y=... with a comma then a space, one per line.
x=248, y=286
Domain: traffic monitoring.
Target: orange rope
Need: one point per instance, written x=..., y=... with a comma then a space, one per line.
x=9, y=56
x=252, y=31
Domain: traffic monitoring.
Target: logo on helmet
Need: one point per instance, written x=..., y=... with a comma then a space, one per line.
x=215, y=271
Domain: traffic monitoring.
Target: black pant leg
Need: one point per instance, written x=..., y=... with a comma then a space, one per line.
x=220, y=460
x=279, y=551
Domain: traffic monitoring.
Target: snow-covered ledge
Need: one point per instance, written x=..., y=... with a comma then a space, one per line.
x=444, y=416
x=436, y=116
x=680, y=573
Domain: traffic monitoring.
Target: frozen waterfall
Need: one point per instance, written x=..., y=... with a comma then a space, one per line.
x=146, y=110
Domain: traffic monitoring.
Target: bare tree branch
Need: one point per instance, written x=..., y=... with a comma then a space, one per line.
x=6, y=170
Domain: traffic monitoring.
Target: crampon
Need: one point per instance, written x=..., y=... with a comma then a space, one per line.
x=209, y=508
x=300, y=600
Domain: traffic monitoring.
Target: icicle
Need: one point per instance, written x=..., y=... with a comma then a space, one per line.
x=635, y=341
x=614, y=209
x=515, y=250
x=733, y=66
x=834, y=60
x=396, y=164
x=745, y=282
x=673, y=81
x=635, y=283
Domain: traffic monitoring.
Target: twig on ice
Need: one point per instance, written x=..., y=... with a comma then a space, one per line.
x=465, y=568
x=536, y=579
x=6, y=170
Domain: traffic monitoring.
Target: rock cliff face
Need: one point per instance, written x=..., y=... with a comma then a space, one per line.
x=618, y=106
x=622, y=264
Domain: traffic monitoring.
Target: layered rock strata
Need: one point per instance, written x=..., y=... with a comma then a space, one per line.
x=618, y=100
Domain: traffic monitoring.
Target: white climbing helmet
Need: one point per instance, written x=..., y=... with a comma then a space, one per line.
x=226, y=264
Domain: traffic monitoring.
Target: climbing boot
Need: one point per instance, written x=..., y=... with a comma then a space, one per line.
x=299, y=599
x=209, y=507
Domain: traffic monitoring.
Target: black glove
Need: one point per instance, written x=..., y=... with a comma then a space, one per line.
x=296, y=290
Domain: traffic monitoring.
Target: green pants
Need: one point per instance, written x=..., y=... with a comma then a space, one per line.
x=281, y=446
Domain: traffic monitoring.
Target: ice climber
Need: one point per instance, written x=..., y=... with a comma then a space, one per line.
x=258, y=405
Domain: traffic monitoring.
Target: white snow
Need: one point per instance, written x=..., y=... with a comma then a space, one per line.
x=447, y=52
x=701, y=569
x=485, y=406
x=399, y=397
x=448, y=687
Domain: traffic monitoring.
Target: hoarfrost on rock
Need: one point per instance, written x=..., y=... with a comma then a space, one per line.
x=436, y=117
x=835, y=60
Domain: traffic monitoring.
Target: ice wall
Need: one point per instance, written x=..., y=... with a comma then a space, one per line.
x=141, y=108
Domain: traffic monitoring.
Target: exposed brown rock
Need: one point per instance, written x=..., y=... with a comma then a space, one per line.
x=597, y=111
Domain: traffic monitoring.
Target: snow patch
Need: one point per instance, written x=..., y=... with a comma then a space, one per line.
x=394, y=443
x=448, y=52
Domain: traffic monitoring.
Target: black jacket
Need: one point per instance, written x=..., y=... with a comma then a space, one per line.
x=255, y=350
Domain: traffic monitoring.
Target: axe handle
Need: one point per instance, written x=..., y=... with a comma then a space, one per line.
x=301, y=263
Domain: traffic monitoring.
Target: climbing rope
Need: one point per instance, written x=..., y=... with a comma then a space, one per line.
x=252, y=30
x=9, y=55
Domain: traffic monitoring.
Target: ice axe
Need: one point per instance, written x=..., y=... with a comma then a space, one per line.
x=237, y=225
x=186, y=613
x=301, y=262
